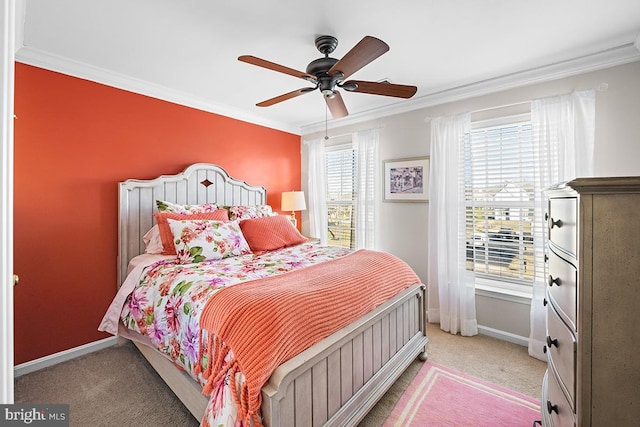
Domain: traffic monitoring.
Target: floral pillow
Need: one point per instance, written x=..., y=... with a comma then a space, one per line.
x=248, y=212
x=168, y=248
x=202, y=240
x=171, y=207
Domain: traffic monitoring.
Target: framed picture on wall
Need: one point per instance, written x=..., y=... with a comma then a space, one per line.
x=406, y=180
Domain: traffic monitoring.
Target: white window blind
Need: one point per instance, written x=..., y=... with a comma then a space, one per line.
x=499, y=198
x=341, y=174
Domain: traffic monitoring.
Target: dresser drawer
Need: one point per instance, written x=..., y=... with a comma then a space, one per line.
x=561, y=223
x=561, y=285
x=561, y=350
x=557, y=407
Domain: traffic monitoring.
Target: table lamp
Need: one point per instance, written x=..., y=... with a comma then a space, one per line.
x=293, y=201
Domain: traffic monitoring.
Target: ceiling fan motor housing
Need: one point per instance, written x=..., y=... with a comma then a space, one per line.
x=320, y=68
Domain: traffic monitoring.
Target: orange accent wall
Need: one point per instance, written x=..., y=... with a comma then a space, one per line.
x=74, y=141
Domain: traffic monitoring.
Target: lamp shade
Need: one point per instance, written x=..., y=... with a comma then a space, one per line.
x=293, y=201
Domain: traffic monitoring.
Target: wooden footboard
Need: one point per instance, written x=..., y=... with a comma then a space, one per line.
x=337, y=381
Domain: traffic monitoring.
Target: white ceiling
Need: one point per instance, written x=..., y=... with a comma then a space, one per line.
x=186, y=51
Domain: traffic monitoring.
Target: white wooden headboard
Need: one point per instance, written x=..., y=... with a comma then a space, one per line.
x=197, y=184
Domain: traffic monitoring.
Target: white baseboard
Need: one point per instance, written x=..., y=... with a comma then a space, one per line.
x=63, y=356
x=502, y=335
x=72, y=353
x=497, y=333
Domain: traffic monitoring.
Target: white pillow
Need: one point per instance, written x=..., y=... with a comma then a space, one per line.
x=152, y=241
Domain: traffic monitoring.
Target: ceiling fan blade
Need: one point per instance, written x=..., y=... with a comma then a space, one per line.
x=249, y=59
x=286, y=96
x=381, y=88
x=336, y=105
x=368, y=49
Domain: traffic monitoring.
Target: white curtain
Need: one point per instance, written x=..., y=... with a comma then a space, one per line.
x=365, y=144
x=317, y=188
x=451, y=288
x=563, y=133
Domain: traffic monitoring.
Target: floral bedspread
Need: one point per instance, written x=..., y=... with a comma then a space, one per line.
x=167, y=302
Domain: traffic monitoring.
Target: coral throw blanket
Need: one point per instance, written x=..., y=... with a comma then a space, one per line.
x=266, y=322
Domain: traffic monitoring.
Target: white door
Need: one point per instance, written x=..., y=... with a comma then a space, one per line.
x=7, y=52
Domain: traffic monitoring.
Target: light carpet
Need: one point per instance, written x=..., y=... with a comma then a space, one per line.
x=439, y=396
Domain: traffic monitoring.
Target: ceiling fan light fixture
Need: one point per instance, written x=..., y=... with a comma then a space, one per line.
x=326, y=85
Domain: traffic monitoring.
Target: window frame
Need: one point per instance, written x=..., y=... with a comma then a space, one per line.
x=343, y=145
x=485, y=283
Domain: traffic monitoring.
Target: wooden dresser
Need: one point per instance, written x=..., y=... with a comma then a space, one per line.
x=593, y=303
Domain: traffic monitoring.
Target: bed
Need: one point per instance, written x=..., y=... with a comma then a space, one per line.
x=335, y=381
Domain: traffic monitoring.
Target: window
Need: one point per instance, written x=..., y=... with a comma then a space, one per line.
x=499, y=201
x=341, y=169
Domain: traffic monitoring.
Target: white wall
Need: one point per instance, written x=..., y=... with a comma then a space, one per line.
x=404, y=225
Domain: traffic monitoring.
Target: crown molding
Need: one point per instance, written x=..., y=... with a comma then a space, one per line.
x=38, y=58
x=623, y=54
x=620, y=55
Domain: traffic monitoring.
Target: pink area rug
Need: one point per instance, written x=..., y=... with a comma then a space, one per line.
x=439, y=396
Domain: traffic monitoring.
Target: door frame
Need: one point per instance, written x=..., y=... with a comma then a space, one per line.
x=7, y=71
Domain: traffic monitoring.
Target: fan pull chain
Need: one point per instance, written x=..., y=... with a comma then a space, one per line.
x=326, y=108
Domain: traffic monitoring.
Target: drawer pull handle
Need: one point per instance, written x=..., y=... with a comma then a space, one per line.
x=551, y=408
x=557, y=223
x=551, y=342
x=553, y=281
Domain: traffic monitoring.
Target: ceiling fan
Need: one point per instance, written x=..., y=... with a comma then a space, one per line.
x=328, y=74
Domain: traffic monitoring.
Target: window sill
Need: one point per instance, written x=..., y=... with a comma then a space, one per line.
x=512, y=295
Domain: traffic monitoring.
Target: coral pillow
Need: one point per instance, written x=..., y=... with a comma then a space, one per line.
x=202, y=240
x=165, y=232
x=270, y=233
